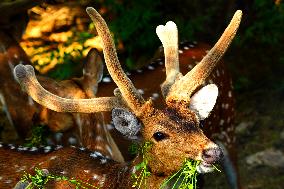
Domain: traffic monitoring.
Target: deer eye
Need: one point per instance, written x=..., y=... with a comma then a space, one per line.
x=158, y=136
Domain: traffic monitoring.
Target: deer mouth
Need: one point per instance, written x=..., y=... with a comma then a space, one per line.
x=205, y=167
x=209, y=157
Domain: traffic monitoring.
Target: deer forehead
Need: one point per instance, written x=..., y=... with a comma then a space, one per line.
x=171, y=121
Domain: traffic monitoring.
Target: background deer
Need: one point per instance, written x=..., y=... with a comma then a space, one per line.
x=174, y=130
x=22, y=112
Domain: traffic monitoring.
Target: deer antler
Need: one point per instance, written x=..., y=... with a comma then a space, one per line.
x=26, y=77
x=134, y=100
x=182, y=89
x=168, y=35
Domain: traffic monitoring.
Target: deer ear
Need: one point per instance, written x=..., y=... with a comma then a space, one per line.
x=125, y=122
x=203, y=101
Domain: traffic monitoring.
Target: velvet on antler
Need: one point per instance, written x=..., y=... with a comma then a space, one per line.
x=26, y=77
x=179, y=89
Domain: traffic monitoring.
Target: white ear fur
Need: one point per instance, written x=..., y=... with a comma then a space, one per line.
x=125, y=122
x=203, y=101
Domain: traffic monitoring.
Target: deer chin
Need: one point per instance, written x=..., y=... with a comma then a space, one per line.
x=204, y=167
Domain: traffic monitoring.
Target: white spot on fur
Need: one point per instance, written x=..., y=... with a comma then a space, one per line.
x=53, y=157
x=58, y=147
x=72, y=140
x=11, y=146
x=218, y=73
x=226, y=106
x=103, y=161
x=155, y=96
x=228, y=120
x=58, y=137
x=230, y=94
x=180, y=51
x=150, y=67
x=139, y=71
x=22, y=148
x=47, y=149
x=141, y=91
x=102, y=180
x=106, y=79
x=99, y=138
x=21, y=169
x=90, y=134
x=96, y=154
x=82, y=148
x=8, y=181
x=95, y=177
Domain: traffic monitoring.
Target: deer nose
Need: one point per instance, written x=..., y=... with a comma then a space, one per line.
x=212, y=155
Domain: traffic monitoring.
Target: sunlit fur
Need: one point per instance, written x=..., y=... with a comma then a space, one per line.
x=184, y=139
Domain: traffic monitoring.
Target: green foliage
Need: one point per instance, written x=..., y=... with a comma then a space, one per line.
x=134, y=148
x=67, y=68
x=38, y=136
x=265, y=24
x=142, y=168
x=134, y=24
x=42, y=177
x=185, y=178
x=70, y=62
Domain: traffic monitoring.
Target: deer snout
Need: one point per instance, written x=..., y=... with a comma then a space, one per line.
x=212, y=155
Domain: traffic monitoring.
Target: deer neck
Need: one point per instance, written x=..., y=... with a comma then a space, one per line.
x=156, y=178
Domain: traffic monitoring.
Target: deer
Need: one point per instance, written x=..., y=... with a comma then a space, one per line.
x=14, y=101
x=174, y=131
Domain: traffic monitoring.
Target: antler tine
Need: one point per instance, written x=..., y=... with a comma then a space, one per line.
x=183, y=88
x=26, y=77
x=168, y=35
x=134, y=100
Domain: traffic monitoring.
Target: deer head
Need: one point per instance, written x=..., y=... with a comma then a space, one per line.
x=174, y=131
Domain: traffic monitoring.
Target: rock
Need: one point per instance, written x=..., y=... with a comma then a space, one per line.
x=243, y=126
x=269, y=157
x=282, y=135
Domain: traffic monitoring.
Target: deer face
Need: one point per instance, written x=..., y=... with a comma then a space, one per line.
x=174, y=132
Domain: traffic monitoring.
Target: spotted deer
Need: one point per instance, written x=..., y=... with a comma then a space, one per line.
x=22, y=112
x=175, y=129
